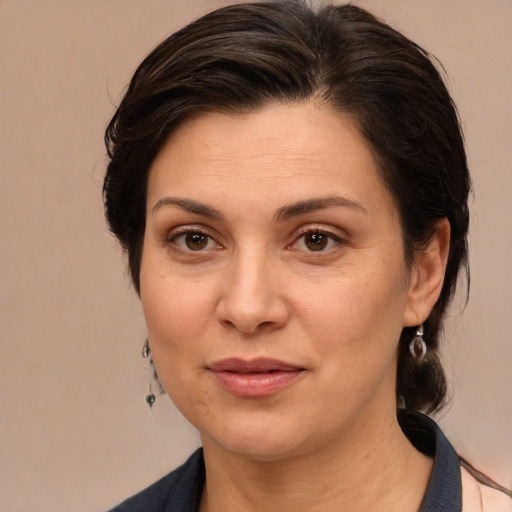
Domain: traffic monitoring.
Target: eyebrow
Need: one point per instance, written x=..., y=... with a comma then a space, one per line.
x=189, y=205
x=286, y=212
x=315, y=204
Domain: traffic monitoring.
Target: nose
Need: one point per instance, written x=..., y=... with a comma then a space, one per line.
x=251, y=299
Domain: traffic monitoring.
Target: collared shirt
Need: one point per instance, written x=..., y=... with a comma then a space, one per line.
x=180, y=490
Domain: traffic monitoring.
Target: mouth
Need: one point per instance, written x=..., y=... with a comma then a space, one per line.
x=254, y=378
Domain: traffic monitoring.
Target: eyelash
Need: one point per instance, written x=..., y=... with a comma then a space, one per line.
x=189, y=231
x=329, y=239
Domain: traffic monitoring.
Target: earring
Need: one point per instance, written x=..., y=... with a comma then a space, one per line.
x=146, y=352
x=151, y=397
x=418, y=347
x=145, y=349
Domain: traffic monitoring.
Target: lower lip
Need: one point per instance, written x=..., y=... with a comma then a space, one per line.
x=255, y=384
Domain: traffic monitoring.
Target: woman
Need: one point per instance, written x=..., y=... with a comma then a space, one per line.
x=291, y=188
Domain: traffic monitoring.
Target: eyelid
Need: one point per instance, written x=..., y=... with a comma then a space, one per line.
x=318, y=228
x=178, y=231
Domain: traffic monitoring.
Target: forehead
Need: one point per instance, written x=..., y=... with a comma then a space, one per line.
x=287, y=151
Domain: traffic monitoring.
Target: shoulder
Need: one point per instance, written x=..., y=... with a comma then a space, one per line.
x=179, y=491
x=453, y=484
x=478, y=497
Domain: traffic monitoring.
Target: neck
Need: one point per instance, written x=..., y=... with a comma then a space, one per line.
x=369, y=469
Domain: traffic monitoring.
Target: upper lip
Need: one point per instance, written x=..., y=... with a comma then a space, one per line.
x=259, y=365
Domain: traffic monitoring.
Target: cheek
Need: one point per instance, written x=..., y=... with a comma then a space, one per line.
x=177, y=314
x=175, y=318
x=174, y=308
x=178, y=327
x=360, y=314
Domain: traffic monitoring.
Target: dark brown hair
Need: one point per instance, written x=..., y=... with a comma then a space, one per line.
x=242, y=57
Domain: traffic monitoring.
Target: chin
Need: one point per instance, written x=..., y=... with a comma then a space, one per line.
x=264, y=442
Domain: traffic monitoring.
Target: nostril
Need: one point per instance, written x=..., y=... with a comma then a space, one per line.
x=227, y=323
x=248, y=327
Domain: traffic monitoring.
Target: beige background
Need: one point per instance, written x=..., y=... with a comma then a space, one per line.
x=75, y=432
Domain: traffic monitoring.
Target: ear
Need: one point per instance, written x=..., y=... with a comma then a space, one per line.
x=427, y=276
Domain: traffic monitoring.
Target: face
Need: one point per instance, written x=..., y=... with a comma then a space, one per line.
x=273, y=280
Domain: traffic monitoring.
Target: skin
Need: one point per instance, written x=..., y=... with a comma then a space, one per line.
x=228, y=270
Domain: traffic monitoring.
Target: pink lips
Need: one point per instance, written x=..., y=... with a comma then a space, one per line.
x=254, y=378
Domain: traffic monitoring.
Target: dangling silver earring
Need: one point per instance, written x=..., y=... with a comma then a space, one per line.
x=151, y=397
x=418, y=347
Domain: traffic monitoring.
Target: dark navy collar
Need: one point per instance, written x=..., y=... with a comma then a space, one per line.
x=444, y=491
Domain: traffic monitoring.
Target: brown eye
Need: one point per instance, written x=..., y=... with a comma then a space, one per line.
x=196, y=241
x=316, y=241
x=193, y=240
